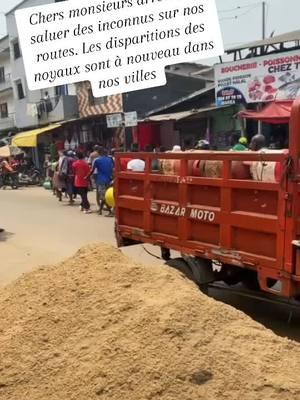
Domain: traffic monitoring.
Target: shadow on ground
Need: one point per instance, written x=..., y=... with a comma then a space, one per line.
x=279, y=318
x=4, y=236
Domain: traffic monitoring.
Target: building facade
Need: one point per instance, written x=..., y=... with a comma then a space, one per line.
x=179, y=84
x=7, y=106
x=93, y=111
x=181, y=81
x=258, y=73
x=91, y=106
x=39, y=107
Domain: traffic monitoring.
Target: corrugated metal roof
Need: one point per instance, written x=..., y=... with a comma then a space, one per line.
x=190, y=96
x=207, y=109
x=182, y=115
x=285, y=37
x=203, y=71
x=170, y=117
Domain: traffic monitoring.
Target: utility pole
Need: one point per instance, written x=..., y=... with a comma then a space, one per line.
x=263, y=20
x=259, y=124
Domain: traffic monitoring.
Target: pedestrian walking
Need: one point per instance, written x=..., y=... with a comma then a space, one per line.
x=94, y=154
x=82, y=178
x=53, y=175
x=104, y=167
x=61, y=175
x=91, y=159
x=70, y=177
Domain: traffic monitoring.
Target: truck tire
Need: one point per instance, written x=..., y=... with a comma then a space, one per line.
x=165, y=254
x=182, y=266
x=202, y=270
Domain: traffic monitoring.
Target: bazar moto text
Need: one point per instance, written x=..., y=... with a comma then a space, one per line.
x=194, y=213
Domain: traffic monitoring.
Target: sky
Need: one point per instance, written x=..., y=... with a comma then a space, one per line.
x=239, y=25
x=281, y=16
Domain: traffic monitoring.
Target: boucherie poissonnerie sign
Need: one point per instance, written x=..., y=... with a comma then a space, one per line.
x=260, y=79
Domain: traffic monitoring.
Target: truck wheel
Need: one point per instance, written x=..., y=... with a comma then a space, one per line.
x=182, y=266
x=202, y=270
x=165, y=254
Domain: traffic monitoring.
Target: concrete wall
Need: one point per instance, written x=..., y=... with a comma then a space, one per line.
x=66, y=108
x=7, y=97
x=7, y=124
x=224, y=121
x=6, y=93
x=72, y=90
x=223, y=124
x=5, y=61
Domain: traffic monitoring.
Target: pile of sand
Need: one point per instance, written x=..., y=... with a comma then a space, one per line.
x=99, y=326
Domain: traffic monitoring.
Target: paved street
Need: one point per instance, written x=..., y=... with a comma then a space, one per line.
x=41, y=231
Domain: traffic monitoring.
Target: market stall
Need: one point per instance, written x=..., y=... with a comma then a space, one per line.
x=276, y=112
x=274, y=119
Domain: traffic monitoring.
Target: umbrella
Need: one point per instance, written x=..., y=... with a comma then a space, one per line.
x=8, y=151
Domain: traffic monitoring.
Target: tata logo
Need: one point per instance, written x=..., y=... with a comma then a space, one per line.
x=194, y=213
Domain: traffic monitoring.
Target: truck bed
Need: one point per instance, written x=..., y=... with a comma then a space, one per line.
x=239, y=222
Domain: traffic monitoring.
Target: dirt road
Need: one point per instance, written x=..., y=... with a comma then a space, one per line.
x=40, y=231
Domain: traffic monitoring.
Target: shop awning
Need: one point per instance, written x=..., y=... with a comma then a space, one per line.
x=29, y=138
x=8, y=151
x=277, y=112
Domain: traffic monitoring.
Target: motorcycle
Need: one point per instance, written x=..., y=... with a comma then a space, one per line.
x=31, y=176
x=9, y=179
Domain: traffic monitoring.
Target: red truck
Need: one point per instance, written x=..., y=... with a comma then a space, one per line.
x=249, y=227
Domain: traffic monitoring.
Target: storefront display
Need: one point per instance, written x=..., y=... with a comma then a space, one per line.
x=259, y=79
